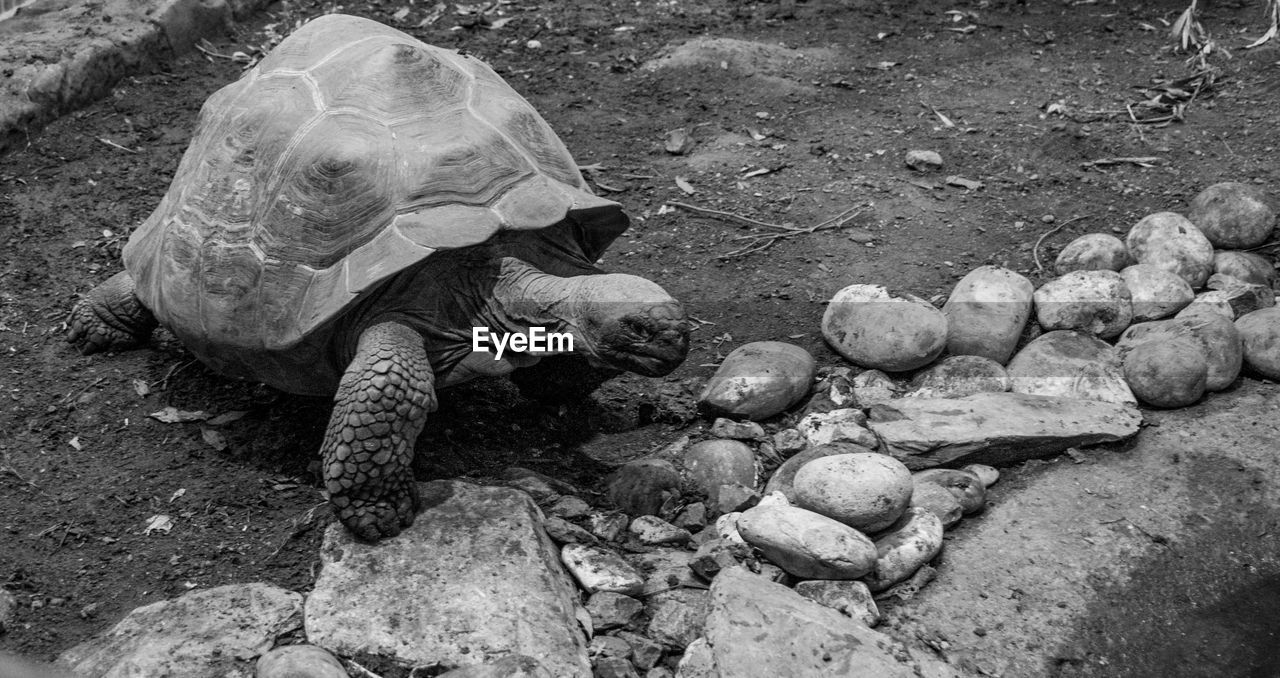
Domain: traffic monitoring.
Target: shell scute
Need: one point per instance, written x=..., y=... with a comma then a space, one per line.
x=337, y=195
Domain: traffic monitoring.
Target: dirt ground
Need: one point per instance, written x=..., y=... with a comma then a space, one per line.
x=1024, y=99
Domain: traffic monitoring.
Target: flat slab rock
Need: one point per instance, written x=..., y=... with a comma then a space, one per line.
x=474, y=579
x=211, y=633
x=996, y=428
x=759, y=629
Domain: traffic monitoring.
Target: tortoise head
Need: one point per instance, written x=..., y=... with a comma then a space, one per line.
x=630, y=323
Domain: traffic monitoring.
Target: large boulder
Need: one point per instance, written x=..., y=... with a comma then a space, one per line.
x=473, y=579
x=204, y=634
x=759, y=629
x=996, y=428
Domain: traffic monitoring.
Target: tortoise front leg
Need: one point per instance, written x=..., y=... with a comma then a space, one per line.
x=110, y=317
x=379, y=410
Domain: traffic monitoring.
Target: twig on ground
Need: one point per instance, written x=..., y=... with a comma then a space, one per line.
x=356, y=668
x=760, y=242
x=731, y=217
x=113, y=144
x=163, y=383
x=75, y=394
x=1143, y=161
x=1035, y=251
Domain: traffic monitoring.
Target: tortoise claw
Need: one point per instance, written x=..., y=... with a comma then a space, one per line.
x=374, y=518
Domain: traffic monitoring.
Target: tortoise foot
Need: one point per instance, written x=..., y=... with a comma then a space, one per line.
x=379, y=410
x=109, y=317
x=375, y=518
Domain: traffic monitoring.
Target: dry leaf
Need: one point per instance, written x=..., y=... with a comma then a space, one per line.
x=178, y=494
x=499, y=23
x=158, y=523
x=214, y=438
x=141, y=388
x=227, y=417
x=173, y=415
x=685, y=186
x=965, y=183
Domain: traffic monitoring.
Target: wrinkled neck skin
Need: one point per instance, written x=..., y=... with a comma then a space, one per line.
x=453, y=292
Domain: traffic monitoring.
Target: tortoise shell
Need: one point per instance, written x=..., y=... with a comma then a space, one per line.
x=350, y=153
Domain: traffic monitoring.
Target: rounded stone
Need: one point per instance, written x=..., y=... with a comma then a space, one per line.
x=299, y=661
x=759, y=380
x=1092, y=252
x=1249, y=267
x=1170, y=241
x=1260, y=335
x=712, y=463
x=874, y=328
x=1233, y=215
x=1168, y=373
x=1154, y=292
x=1097, y=302
x=866, y=491
x=807, y=544
x=958, y=376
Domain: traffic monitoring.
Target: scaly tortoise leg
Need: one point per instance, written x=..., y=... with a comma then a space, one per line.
x=379, y=410
x=110, y=317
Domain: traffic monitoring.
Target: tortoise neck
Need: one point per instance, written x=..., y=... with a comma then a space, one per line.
x=524, y=297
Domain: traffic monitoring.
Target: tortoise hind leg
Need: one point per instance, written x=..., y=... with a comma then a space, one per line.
x=110, y=317
x=379, y=410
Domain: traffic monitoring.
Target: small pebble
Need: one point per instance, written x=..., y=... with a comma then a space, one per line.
x=645, y=653
x=850, y=598
x=611, y=610
x=569, y=507
x=290, y=661
x=727, y=527
x=599, y=569
x=652, y=530
x=613, y=667
x=737, y=430
x=564, y=532
x=716, y=555
x=641, y=487
x=712, y=463
x=692, y=517
x=845, y=425
x=924, y=161
x=607, y=526
x=608, y=646
x=788, y=441
x=733, y=498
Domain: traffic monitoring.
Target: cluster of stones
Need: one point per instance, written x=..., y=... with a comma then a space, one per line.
x=1122, y=322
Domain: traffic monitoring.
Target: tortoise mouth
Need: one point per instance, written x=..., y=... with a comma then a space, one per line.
x=652, y=343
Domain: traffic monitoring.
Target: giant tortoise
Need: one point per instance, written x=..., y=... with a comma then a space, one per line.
x=348, y=212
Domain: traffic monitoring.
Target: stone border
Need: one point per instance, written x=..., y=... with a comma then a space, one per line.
x=60, y=55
